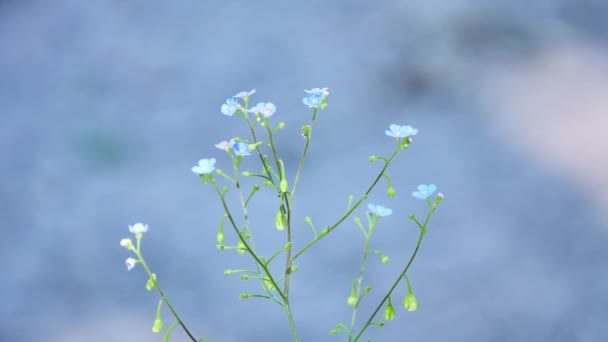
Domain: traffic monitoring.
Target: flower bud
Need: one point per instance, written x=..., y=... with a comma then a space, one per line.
x=284, y=186
x=384, y=259
x=389, y=312
x=352, y=301
x=293, y=269
x=157, y=326
x=220, y=247
x=244, y=296
x=279, y=221
x=306, y=130
x=247, y=174
x=410, y=302
x=220, y=237
x=151, y=282
x=240, y=247
x=127, y=243
x=390, y=192
x=228, y=272
x=373, y=158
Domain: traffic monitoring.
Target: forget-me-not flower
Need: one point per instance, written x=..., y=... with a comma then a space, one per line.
x=138, y=228
x=225, y=145
x=204, y=166
x=379, y=210
x=265, y=109
x=229, y=107
x=241, y=149
x=424, y=191
x=130, y=263
x=245, y=94
x=397, y=131
x=314, y=97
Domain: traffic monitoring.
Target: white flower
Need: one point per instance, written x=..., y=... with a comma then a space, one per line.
x=130, y=263
x=126, y=243
x=138, y=228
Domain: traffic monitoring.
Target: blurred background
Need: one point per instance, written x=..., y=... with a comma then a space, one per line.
x=106, y=105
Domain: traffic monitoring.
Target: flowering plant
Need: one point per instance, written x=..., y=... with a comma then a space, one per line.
x=276, y=287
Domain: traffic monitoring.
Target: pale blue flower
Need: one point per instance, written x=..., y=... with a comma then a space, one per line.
x=229, y=107
x=314, y=97
x=265, y=109
x=130, y=262
x=379, y=210
x=225, y=145
x=204, y=166
x=138, y=228
x=424, y=191
x=241, y=149
x=397, y=131
x=245, y=94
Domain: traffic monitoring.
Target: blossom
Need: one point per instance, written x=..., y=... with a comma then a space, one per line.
x=398, y=131
x=241, y=149
x=379, y=210
x=204, y=166
x=314, y=97
x=225, y=145
x=130, y=262
x=266, y=109
x=424, y=191
x=126, y=243
x=229, y=107
x=245, y=94
x=138, y=228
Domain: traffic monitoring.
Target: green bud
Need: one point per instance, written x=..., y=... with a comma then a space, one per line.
x=157, y=326
x=268, y=183
x=150, y=283
x=281, y=125
x=390, y=192
x=389, y=312
x=228, y=272
x=333, y=332
x=279, y=221
x=247, y=174
x=220, y=237
x=308, y=220
x=293, y=269
x=411, y=217
x=352, y=301
x=220, y=247
x=410, y=302
x=244, y=277
x=373, y=158
x=283, y=186
x=244, y=296
x=306, y=130
x=367, y=289
x=268, y=285
x=384, y=259
x=240, y=247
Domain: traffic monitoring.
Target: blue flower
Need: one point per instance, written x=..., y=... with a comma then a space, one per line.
x=138, y=228
x=397, y=131
x=229, y=107
x=266, y=109
x=244, y=94
x=241, y=149
x=225, y=145
x=314, y=97
x=424, y=191
x=204, y=166
x=379, y=210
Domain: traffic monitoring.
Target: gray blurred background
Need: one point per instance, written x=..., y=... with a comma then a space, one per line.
x=105, y=106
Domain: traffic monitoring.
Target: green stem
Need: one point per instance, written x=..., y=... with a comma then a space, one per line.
x=247, y=247
x=162, y=296
x=292, y=325
x=360, y=279
x=423, y=229
x=350, y=211
x=301, y=164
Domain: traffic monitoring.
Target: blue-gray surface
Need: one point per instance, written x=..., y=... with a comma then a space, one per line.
x=105, y=106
